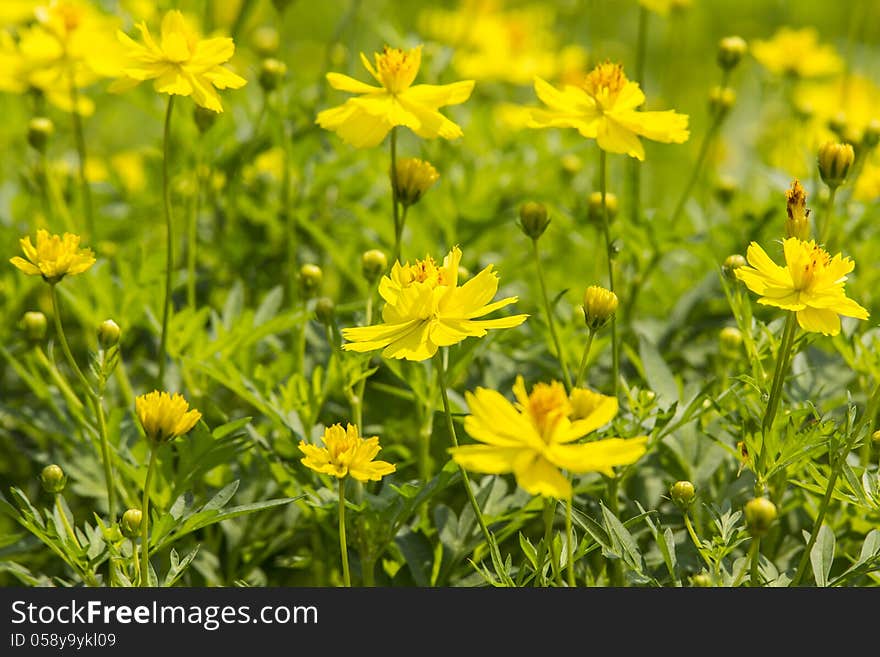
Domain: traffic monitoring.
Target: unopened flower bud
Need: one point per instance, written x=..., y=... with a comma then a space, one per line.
x=533, y=219
x=265, y=41
x=701, y=580
x=797, y=222
x=725, y=190
x=876, y=436
x=835, y=161
x=108, y=334
x=272, y=72
x=373, y=264
x=131, y=523
x=53, y=479
x=34, y=325
x=731, y=263
x=204, y=118
x=599, y=306
x=760, y=513
x=731, y=340
x=40, y=129
x=730, y=51
x=571, y=163
x=310, y=277
x=871, y=135
x=594, y=207
x=721, y=100
x=414, y=177
x=683, y=493
x=324, y=310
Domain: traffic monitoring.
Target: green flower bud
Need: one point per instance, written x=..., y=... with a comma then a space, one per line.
x=533, y=219
x=876, y=436
x=373, y=264
x=725, y=190
x=730, y=51
x=731, y=263
x=834, y=162
x=731, y=340
x=310, y=277
x=760, y=514
x=683, y=493
x=413, y=177
x=272, y=72
x=594, y=207
x=701, y=580
x=53, y=479
x=324, y=310
x=34, y=325
x=40, y=129
x=721, y=100
x=599, y=306
x=131, y=523
x=108, y=334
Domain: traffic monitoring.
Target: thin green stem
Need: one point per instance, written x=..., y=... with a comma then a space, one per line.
x=635, y=170
x=696, y=540
x=549, y=514
x=81, y=154
x=569, y=542
x=361, y=386
x=615, y=351
x=398, y=228
x=135, y=560
x=782, y=361
x=450, y=426
x=615, y=568
x=105, y=456
x=551, y=323
x=59, y=330
x=698, y=167
x=192, y=241
x=169, y=239
x=828, y=220
x=343, y=546
x=582, y=370
x=755, y=560
x=59, y=380
x=65, y=521
x=145, y=524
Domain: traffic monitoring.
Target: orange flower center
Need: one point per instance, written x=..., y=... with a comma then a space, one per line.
x=604, y=82
x=815, y=264
x=396, y=68
x=548, y=404
x=424, y=271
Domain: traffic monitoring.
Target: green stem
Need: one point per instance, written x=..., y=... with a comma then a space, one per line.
x=551, y=323
x=68, y=394
x=81, y=153
x=549, y=514
x=615, y=352
x=615, y=568
x=582, y=370
x=65, y=522
x=635, y=170
x=450, y=426
x=696, y=540
x=782, y=361
x=362, y=384
x=343, y=546
x=169, y=240
x=398, y=228
x=698, y=167
x=105, y=456
x=754, y=560
x=829, y=217
x=192, y=240
x=569, y=541
x=135, y=560
x=145, y=525
x=59, y=330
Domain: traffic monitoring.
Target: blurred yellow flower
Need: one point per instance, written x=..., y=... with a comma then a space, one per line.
x=17, y=11
x=129, y=168
x=346, y=453
x=365, y=120
x=867, y=187
x=425, y=308
x=181, y=63
x=69, y=44
x=851, y=101
x=797, y=53
x=413, y=178
x=53, y=257
x=494, y=43
x=532, y=438
x=605, y=108
x=165, y=417
x=811, y=284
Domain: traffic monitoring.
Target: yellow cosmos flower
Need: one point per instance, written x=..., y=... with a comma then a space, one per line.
x=533, y=438
x=165, y=417
x=53, y=257
x=180, y=63
x=797, y=53
x=365, y=120
x=605, y=108
x=811, y=284
x=346, y=453
x=425, y=308
x=868, y=183
x=851, y=100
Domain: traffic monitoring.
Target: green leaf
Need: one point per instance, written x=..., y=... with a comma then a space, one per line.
x=822, y=555
x=622, y=542
x=658, y=374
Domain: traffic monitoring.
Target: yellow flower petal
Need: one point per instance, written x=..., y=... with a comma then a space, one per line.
x=598, y=456
x=540, y=477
